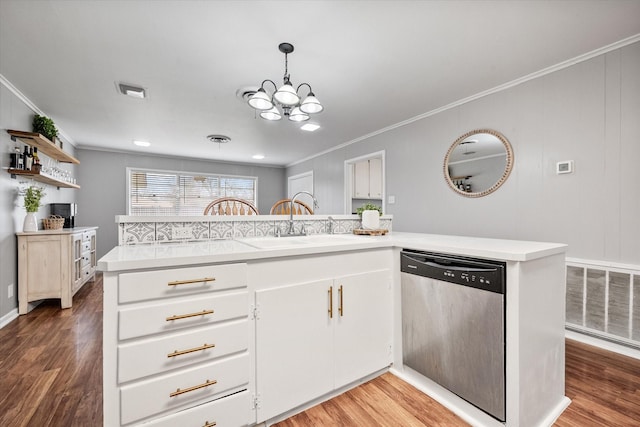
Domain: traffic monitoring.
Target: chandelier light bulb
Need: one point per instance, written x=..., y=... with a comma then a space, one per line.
x=286, y=95
x=260, y=100
x=297, y=115
x=272, y=114
x=311, y=105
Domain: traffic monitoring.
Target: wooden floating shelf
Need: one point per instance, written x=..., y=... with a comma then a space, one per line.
x=45, y=146
x=45, y=179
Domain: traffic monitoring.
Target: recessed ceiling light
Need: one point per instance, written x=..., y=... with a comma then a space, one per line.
x=310, y=127
x=134, y=91
x=142, y=143
x=258, y=156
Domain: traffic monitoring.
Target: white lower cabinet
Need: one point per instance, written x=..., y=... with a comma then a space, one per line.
x=315, y=337
x=176, y=347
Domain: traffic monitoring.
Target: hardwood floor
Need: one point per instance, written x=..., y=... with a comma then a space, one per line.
x=51, y=364
x=51, y=375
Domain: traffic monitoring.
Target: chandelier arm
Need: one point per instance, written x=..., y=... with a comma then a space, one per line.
x=275, y=87
x=304, y=84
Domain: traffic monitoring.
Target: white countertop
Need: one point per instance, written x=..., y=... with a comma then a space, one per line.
x=216, y=251
x=60, y=231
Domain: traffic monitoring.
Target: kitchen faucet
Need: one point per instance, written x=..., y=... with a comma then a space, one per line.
x=291, y=230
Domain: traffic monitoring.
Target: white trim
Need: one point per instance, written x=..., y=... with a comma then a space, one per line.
x=8, y=318
x=560, y=66
x=580, y=262
x=6, y=83
x=602, y=344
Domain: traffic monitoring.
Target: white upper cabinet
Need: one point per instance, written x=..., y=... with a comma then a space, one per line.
x=367, y=179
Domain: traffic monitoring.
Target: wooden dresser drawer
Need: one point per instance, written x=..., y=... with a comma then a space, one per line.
x=167, y=352
x=169, y=283
x=230, y=411
x=164, y=316
x=86, y=235
x=177, y=390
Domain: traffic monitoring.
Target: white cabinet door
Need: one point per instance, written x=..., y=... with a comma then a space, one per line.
x=375, y=178
x=361, y=180
x=294, y=347
x=363, y=325
x=367, y=179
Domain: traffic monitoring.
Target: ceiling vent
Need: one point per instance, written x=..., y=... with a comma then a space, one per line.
x=133, y=91
x=220, y=139
x=244, y=93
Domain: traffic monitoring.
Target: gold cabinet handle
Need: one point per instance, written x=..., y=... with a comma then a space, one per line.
x=340, y=309
x=210, y=424
x=186, y=316
x=187, y=282
x=207, y=383
x=191, y=350
x=330, y=302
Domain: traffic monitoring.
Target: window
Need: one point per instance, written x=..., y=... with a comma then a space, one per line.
x=170, y=193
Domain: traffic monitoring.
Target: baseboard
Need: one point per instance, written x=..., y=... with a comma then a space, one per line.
x=8, y=318
x=603, y=344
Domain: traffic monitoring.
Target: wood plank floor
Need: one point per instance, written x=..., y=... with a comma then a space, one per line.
x=51, y=375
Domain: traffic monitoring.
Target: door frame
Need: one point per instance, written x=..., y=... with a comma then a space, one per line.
x=348, y=178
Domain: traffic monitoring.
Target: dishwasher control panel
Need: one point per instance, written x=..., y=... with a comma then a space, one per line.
x=477, y=273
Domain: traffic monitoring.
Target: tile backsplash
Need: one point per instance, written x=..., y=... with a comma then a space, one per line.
x=145, y=230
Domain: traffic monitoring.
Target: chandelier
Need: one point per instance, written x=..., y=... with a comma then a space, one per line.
x=285, y=101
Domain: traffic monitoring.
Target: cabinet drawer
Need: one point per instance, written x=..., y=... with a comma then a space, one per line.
x=86, y=247
x=180, y=281
x=187, y=386
x=85, y=259
x=86, y=271
x=230, y=411
x=86, y=236
x=148, y=357
x=171, y=316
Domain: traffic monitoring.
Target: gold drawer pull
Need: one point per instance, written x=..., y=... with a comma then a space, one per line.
x=340, y=310
x=191, y=350
x=195, y=387
x=330, y=302
x=186, y=316
x=210, y=424
x=187, y=282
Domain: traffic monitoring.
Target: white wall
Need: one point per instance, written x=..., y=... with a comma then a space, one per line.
x=16, y=113
x=588, y=112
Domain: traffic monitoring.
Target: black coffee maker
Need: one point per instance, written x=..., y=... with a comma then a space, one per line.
x=67, y=211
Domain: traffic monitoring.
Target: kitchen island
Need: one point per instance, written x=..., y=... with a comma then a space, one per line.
x=297, y=320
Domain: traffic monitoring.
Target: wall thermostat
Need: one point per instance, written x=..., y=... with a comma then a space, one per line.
x=564, y=167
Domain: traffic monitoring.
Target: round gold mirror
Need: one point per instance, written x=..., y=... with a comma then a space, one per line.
x=478, y=163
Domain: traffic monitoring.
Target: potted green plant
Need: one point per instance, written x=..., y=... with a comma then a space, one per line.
x=32, y=197
x=370, y=215
x=45, y=126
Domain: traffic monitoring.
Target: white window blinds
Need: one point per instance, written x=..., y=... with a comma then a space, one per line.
x=168, y=193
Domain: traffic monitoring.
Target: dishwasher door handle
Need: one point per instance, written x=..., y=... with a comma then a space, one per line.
x=432, y=262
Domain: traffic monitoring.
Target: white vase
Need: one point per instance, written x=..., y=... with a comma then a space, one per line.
x=370, y=220
x=30, y=222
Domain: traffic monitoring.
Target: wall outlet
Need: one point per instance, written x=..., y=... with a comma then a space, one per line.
x=10, y=291
x=181, y=232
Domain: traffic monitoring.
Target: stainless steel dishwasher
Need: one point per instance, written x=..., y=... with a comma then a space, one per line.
x=453, y=328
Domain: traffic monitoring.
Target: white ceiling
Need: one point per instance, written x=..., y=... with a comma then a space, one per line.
x=372, y=64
